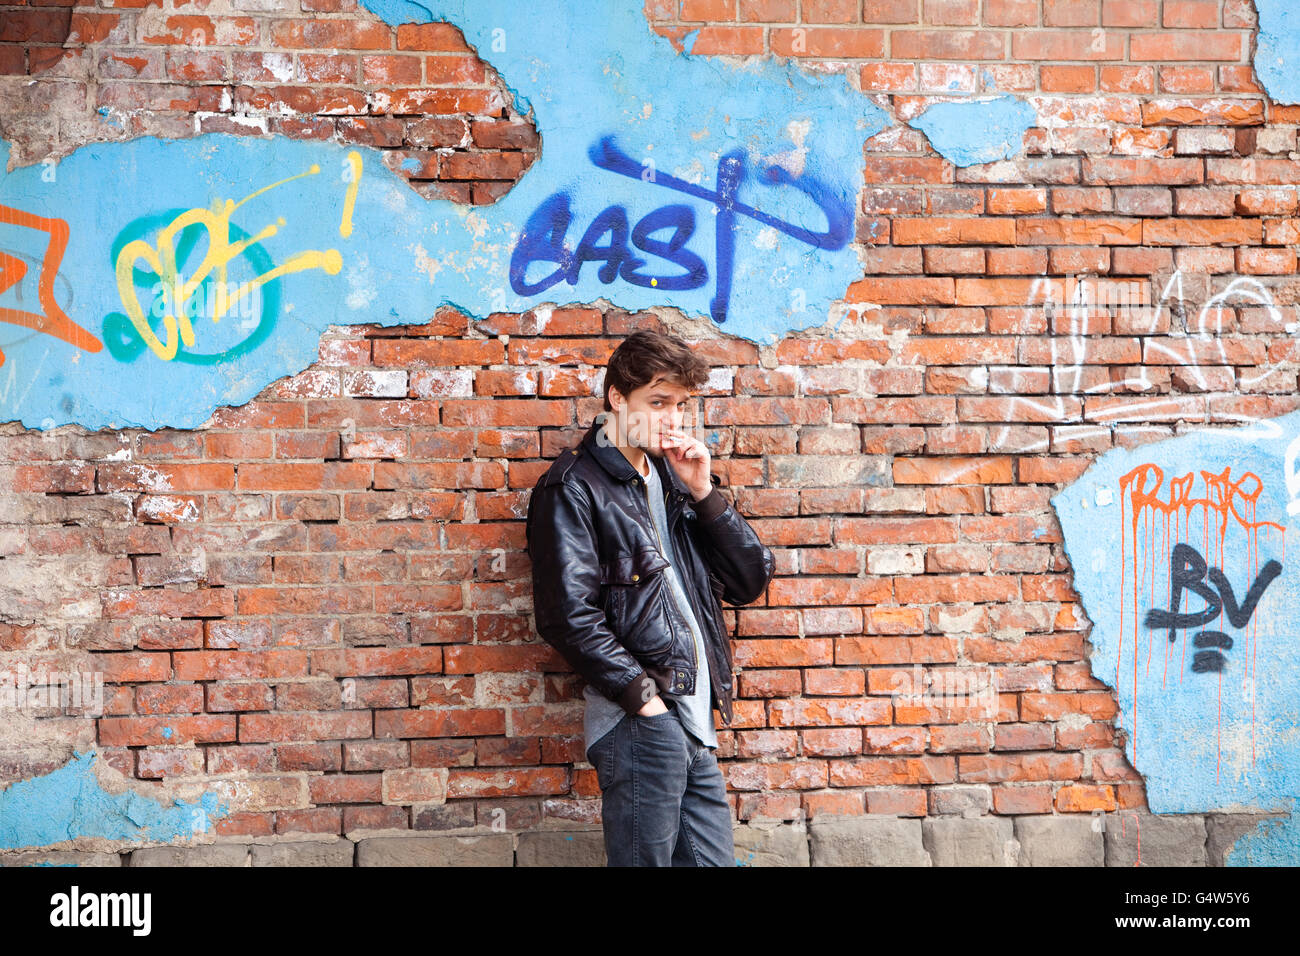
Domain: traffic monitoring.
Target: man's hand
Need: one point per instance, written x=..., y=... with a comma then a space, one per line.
x=656, y=706
x=689, y=458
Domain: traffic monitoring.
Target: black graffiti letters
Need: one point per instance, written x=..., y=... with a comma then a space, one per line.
x=1210, y=661
x=1188, y=571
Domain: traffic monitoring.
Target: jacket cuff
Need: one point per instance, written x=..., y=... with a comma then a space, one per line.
x=637, y=694
x=711, y=505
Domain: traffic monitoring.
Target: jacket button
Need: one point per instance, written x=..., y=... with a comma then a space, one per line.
x=636, y=577
x=573, y=452
x=680, y=686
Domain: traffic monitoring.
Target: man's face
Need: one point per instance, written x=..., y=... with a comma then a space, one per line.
x=649, y=411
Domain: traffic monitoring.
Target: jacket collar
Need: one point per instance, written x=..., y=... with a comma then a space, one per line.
x=616, y=463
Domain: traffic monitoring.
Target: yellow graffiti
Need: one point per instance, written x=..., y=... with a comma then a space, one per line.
x=220, y=251
x=353, y=178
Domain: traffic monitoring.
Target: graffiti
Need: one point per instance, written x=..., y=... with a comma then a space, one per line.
x=1195, y=629
x=1195, y=348
x=772, y=150
x=1187, y=571
x=543, y=237
x=52, y=320
x=210, y=297
x=179, y=297
x=1225, y=504
x=543, y=241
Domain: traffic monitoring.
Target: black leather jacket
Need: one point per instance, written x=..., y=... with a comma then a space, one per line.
x=599, y=595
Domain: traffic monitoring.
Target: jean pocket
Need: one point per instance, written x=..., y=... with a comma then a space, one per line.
x=601, y=755
x=667, y=717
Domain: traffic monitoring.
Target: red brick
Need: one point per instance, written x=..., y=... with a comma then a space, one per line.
x=1134, y=172
x=1192, y=14
x=951, y=13
x=1086, y=232
x=1011, y=13
x=1198, y=45
x=1130, y=13
x=889, y=77
x=1128, y=79
x=728, y=41
x=910, y=232
x=901, y=169
x=829, y=42
x=1085, y=798
x=953, y=470
x=1071, y=13
x=890, y=11
x=1015, y=800
x=1061, y=45
x=433, y=37
x=960, y=45
x=999, y=768
x=1201, y=232
x=337, y=34
x=1186, y=79
x=439, y=723
x=1068, y=79
x=769, y=11
x=304, y=726
x=902, y=291
x=165, y=731
x=1203, y=112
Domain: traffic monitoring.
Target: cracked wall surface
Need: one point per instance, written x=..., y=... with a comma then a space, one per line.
x=295, y=306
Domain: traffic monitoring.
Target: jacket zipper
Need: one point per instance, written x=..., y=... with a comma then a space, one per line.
x=671, y=596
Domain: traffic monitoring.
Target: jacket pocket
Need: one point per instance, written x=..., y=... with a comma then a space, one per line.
x=636, y=601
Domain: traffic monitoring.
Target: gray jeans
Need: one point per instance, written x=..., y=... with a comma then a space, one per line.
x=663, y=799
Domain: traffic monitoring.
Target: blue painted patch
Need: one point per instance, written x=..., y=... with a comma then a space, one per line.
x=1179, y=552
x=971, y=132
x=70, y=803
x=728, y=191
x=1277, y=50
x=1272, y=843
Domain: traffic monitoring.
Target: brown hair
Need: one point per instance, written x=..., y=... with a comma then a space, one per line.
x=645, y=355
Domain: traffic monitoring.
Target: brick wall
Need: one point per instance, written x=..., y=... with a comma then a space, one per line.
x=317, y=604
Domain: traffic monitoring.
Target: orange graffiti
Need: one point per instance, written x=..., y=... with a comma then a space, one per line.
x=1141, y=504
x=54, y=321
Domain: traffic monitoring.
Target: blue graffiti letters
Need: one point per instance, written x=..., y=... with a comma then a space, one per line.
x=606, y=240
x=543, y=241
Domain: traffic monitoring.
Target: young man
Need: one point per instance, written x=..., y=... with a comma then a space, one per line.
x=632, y=546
